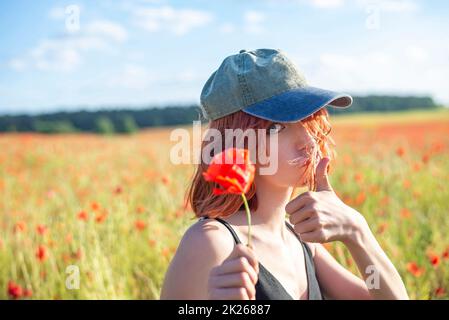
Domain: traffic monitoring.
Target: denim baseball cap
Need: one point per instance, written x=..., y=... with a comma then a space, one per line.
x=264, y=83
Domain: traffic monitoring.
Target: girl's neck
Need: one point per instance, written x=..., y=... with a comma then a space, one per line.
x=269, y=218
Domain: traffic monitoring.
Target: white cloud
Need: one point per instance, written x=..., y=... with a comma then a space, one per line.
x=327, y=4
x=176, y=21
x=132, y=76
x=398, y=6
x=393, y=6
x=64, y=54
x=17, y=64
x=108, y=29
x=401, y=71
x=56, y=13
x=187, y=75
x=136, y=77
x=417, y=54
x=55, y=56
x=253, y=21
x=227, y=28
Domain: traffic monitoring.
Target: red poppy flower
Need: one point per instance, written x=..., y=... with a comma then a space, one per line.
x=405, y=213
x=414, y=269
x=20, y=226
x=400, y=151
x=78, y=254
x=82, y=215
x=41, y=253
x=445, y=254
x=100, y=217
x=41, y=229
x=27, y=292
x=165, y=180
x=14, y=290
x=140, y=225
x=439, y=292
x=434, y=259
x=232, y=170
x=94, y=206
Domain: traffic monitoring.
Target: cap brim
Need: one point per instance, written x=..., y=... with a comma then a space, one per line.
x=297, y=104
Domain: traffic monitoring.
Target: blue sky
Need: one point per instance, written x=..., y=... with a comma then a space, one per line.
x=158, y=52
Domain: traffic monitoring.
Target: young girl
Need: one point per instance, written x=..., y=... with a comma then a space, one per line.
x=263, y=89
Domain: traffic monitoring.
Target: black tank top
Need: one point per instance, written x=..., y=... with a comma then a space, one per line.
x=268, y=287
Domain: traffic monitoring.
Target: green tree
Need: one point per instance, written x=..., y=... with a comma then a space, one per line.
x=104, y=125
x=129, y=124
x=61, y=126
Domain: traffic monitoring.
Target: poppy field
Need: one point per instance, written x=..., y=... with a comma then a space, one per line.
x=85, y=216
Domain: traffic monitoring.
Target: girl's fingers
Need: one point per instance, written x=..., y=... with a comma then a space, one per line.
x=302, y=214
x=298, y=203
x=314, y=236
x=241, y=250
x=234, y=280
x=306, y=226
x=235, y=266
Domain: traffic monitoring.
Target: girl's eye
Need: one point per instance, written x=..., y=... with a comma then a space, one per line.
x=277, y=127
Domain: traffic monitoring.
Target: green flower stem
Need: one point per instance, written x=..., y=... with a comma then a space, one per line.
x=248, y=216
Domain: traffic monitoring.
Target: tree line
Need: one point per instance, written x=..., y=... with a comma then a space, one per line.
x=131, y=120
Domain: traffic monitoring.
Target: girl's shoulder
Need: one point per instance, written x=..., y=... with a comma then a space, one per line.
x=203, y=246
x=206, y=240
x=208, y=232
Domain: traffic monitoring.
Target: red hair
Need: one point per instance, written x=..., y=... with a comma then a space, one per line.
x=199, y=194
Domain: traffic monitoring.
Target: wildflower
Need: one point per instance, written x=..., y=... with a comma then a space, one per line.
x=400, y=151
x=14, y=290
x=20, y=226
x=234, y=172
x=405, y=213
x=41, y=229
x=439, y=292
x=382, y=227
x=358, y=177
x=100, y=217
x=118, y=190
x=445, y=254
x=165, y=180
x=83, y=215
x=140, y=225
x=434, y=259
x=41, y=253
x=406, y=184
x=233, y=177
x=414, y=269
x=27, y=292
x=94, y=206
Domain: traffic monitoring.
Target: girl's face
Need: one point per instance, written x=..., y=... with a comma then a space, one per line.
x=296, y=151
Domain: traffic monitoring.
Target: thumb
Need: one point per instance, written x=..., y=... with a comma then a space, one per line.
x=321, y=178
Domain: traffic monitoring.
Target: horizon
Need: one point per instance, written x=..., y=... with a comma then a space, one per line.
x=125, y=108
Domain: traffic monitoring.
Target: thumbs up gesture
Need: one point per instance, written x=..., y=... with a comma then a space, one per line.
x=320, y=216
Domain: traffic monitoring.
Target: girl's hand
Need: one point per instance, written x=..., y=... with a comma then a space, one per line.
x=321, y=216
x=236, y=277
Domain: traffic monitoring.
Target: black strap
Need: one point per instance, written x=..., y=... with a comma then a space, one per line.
x=227, y=225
